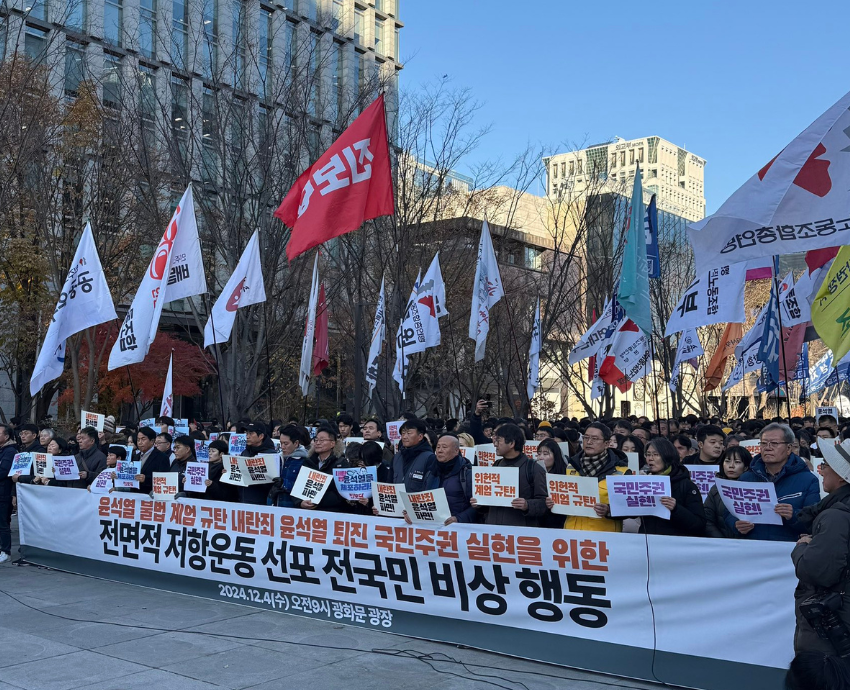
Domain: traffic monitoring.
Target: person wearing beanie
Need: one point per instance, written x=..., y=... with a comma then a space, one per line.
x=544, y=431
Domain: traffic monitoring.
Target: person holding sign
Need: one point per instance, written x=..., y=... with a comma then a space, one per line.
x=151, y=460
x=687, y=516
x=257, y=442
x=599, y=461
x=736, y=461
x=323, y=460
x=184, y=453
x=293, y=454
x=455, y=473
x=530, y=506
x=90, y=457
x=551, y=459
x=7, y=487
x=216, y=489
x=796, y=487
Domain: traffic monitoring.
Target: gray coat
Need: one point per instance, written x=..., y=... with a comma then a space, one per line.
x=822, y=565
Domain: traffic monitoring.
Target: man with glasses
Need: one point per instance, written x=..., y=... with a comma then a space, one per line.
x=796, y=487
x=596, y=459
x=151, y=459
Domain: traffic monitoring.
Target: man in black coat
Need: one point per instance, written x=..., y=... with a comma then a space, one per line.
x=90, y=459
x=257, y=442
x=415, y=464
x=151, y=460
x=7, y=456
x=30, y=443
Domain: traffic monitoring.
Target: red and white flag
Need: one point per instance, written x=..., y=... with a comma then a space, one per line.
x=244, y=288
x=628, y=358
x=167, y=406
x=350, y=183
x=486, y=291
x=797, y=202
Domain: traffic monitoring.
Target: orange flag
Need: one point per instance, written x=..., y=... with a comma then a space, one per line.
x=728, y=342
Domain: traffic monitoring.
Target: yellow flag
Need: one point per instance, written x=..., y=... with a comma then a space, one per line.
x=831, y=308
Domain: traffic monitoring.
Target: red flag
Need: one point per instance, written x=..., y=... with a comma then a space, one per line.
x=321, y=350
x=792, y=345
x=725, y=348
x=818, y=258
x=349, y=184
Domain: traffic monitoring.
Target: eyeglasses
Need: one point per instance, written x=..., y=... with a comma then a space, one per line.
x=771, y=444
x=592, y=438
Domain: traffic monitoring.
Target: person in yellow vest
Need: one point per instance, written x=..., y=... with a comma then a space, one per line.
x=596, y=459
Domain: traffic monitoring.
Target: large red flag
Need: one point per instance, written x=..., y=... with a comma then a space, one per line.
x=321, y=350
x=349, y=184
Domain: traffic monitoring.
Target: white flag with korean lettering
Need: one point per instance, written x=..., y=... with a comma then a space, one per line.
x=797, y=202
x=306, y=366
x=175, y=272
x=410, y=337
x=716, y=297
x=795, y=305
x=244, y=288
x=431, y=302
x=590, y=343
x=534, y=355
x=84, y=301
x=379, y=334
x=167, y=406
x=689, y=349
x=486, y=291
x=747, y=351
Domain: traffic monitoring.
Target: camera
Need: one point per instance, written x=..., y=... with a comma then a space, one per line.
x=819, y=610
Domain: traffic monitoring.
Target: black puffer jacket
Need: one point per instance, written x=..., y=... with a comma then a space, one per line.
x=688, y=517
x=331, y=501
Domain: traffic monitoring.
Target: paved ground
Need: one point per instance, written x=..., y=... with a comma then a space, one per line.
x=63, y=631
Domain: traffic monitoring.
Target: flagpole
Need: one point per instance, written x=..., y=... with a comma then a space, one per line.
x=268, y=361
x=215, y=357
x=133, y=391
x=775, y=271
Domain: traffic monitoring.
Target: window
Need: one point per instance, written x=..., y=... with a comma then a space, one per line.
x=631, y=156
x=613, y=160
x=622, y=159
x=74, y=65
x=113, y=18
x=180, y=33
x=640, y=155
x=240, y=44
x=580, y=166
x=147, y=27
x=147, y=93
x=209, y=56
x=179, y=106
x=359, y=23
x=265, y=49
x=37, y=9
x=396, y=51
x=379, y=5
x=35, y=43
x=379, y=36
x=572, y=168
x=111, y=81
x=555, y=170
x=289, y=37
x=209, y=136
x=337, y=80
x=313, y=107
x=337, y=15
x=563, y=169
x=77, y=14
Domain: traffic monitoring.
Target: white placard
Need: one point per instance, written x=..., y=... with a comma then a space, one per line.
x=485, y=455
x=352, y=439
x=495, y=486
x=750, y=501
x=394, y=431
x=468, y=453
x=242, y=471
x=354, y=483
x=633, y=461
x=65, y=468
x=126, y=472
x=43, y=465
x=565, y=450
x=703, y=476
x=830, y=410
x=311, y=485
x=530, y=449
x=634, y=496
x=426, y=506
x=21, y=464
x=149, y=422
x=237, y=444
x=165, y=486
x=753, y=446
x=386, y=498
x=102, y=484
x=196, y=477
x=92, y=419
x=573, y=494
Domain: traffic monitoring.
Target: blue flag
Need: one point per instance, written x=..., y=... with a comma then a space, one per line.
x=650, y=224
x=820, y=373
x=633, y=293
x=769, y=348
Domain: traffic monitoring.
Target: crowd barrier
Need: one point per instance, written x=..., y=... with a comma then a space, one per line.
x=702, y=613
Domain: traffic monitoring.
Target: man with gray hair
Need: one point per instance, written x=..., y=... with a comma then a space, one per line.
x=796, y=486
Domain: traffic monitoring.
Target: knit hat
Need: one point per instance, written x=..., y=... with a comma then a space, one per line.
x=544, y=423
x=109, y=425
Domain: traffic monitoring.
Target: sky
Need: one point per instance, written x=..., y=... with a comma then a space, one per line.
x=733, y=82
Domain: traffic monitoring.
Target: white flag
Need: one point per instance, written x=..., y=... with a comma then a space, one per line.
x=797, y=202
x=167, y=407
x=244, y=288
x=486, y=291
x=306, y=367
x=84, y=302
x=379, y=334
x=410, y=337
x=590, y=343
x=534, y=355
x=795, y=305
x=747, y=351
x=175, y=271
x=715, y=297
x=431, y=302
x=689, y=349
x=628, y=357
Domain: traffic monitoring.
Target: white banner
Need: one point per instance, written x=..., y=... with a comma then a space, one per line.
x=92, y=419
x=386, y=498
x=750, y=501
x=714, y=297
x=197, y=474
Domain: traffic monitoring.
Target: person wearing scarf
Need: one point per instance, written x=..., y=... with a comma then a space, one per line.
x=687, y=515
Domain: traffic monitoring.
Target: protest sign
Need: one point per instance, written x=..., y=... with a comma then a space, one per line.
x=829, y=409
x=386, y=498
x=633, y=461
x=703, y=476
x=752, y=445
x=65, y=468
x=236, y=444
x=182, y=422
x=197, y=474
x=312, y=430
x=21, y=464
x=276, y=443
x=750, y=501
x=149, y=422
x=202, y=450
x=232, y=473
x=126, y=472
x=242, y=471
x=92, y=419
x=214, y=436
x=468, y=453
x=631, y=496
x=43, y=465
x=485, y=455
x=394, y=432
x=102, y=484
x=530, y=449
x=352, y=439
x=426, y=506
x=573, y=495
x=495, y=486
x=354, y=483
x=165, y=486
x=311, y=485
x=181, y=430
x=565, y=449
